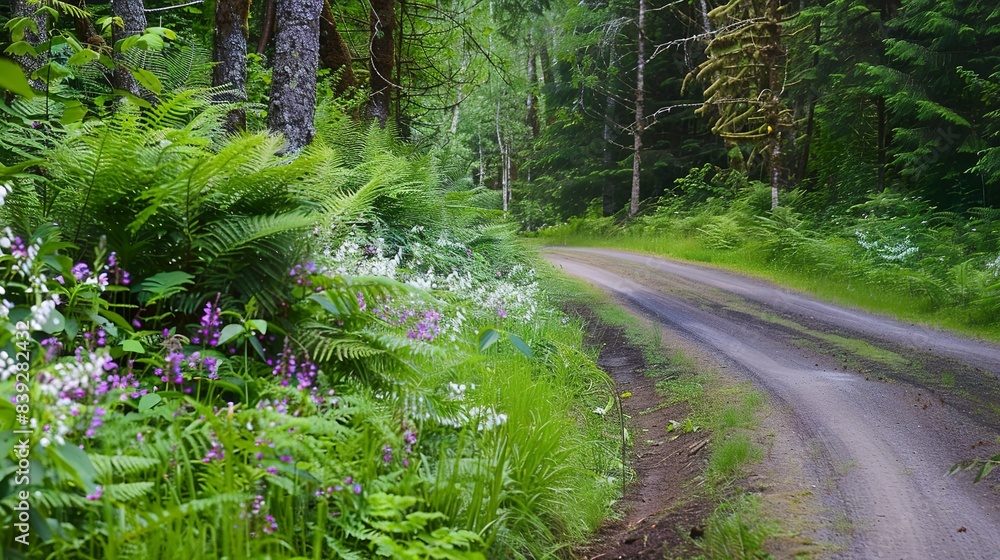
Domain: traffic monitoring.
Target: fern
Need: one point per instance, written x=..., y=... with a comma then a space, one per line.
x=128, y=491
x=108, y=466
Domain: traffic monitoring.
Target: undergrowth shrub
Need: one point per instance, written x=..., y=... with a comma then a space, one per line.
x=236, y=353
x=890, y=245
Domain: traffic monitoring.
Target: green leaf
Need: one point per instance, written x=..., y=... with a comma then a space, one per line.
x=74, y=112
x=51, y=72
x=12, y=79
x=83, y=57
x=74, y=463
x=21, y=48
x=18, y=27
x=487, y=337
x=72, y=327
x=230, y=332
x=162, y=32
x=149, y=42
x=259, y=324
x=55, y=323
x=256, y=346
x=518, y=343
x=133, y=346
x=148, y=401
x=164, y=285
x=147, y=79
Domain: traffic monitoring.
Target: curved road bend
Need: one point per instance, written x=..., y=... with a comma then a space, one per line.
x=889, y=444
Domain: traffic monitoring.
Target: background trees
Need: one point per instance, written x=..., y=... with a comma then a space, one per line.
x=538, y=100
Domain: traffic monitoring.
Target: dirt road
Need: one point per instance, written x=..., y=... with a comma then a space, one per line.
x=883, y=408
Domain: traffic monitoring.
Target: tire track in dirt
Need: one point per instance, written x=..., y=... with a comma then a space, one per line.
x=889, y=443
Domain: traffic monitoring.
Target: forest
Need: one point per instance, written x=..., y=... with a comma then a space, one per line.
x=267, y=277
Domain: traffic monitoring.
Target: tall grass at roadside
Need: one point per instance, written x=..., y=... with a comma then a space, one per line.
x=736, y=528
x=889, y=253
x=282, y=359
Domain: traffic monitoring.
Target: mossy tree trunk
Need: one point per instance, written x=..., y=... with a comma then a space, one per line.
x=293, y=78
x=230, y=70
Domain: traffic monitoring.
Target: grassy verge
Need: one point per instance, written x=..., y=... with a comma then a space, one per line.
x=729, y=412
x=883, y=295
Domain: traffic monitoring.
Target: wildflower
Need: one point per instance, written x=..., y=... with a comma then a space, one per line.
x=357, y=488
x=80, y=271
x=387, y=454
x=217, y=453
x=208, y=333
x=98, y=492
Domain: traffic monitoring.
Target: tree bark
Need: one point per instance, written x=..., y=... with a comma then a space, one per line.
x=633, y=207
x=230, y=57
x=84, y=29
x=811, y=119
x=267, y=28
x=774, y=55
x=293, y=79
x=134, y=22
x=531, y=104
x=607, y=157
x=607, y=154
x=881, y=142
x=504, y=165
x=383, y=25
x=547, y=69
x=28, y=63
x=334, y=53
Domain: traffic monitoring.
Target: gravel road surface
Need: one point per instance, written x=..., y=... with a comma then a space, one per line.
x=886, y=407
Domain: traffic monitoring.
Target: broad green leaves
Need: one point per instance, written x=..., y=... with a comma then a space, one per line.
x=489, y=337
x=12, y=79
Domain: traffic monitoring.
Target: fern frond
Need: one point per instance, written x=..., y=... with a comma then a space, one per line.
x=128, y=491
x=121, y=465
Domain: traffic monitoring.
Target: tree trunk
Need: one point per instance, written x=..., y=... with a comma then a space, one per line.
x=531, y=104
x=84, y=29
x=482, y=165
x=811, y=119
x=230, y=57
x=293, y=80
x=607, y=153
x=504, y=165
x=383, y=25
x=881, y=143
x=774, y=56
x=28, y=63
x=267, y=28
x=134, y=22
x=453, y=128
x=547, y=69
x=333, y=51
x=633, y=207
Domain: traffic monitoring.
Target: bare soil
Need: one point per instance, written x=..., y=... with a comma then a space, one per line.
x=661, y=509
x=871, y=412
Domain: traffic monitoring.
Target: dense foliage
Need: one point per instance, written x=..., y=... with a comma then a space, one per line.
x=894, y=252
x=222, y=351
x=846, y=99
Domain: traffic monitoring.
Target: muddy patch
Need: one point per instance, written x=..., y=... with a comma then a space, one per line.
x=661, y=510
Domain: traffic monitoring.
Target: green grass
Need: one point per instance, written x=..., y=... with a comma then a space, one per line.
x=730, y=413
x=736, y=530
x=885, y=296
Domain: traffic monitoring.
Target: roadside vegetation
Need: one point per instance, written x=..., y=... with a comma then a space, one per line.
x=891, y=253
x=727, y=413
x=221, y=351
